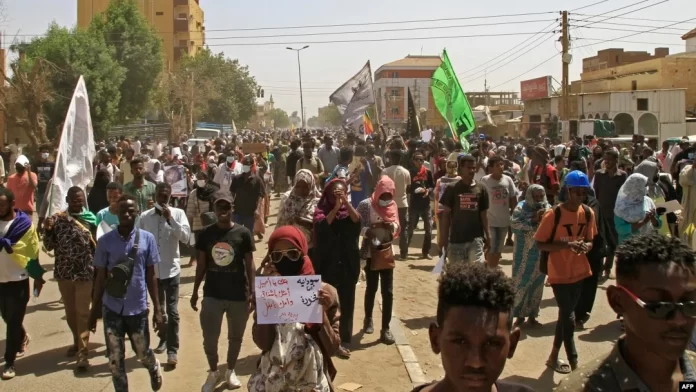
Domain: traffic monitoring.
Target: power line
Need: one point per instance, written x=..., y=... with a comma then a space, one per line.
x=590, y=5
x=359, y=24
x=641, y=19
x=642, y=32
x=371, y=40
x=621, y=8
x=613, y=23
x=511, y=60
x=630, y=42
x=527, y=71
x=629, y=31
x=468, y=71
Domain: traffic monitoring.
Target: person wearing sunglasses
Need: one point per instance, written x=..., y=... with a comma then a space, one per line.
x=422, y=185
x=655, y=292
x=296, y=346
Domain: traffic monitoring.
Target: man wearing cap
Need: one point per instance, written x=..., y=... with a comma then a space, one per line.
x=248, y=189
x=23, y=184
x=544, y=173
x=226, y=260
x=566, y=232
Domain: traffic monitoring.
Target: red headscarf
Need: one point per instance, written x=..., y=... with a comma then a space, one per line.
x=293, y=235
x=390, y=213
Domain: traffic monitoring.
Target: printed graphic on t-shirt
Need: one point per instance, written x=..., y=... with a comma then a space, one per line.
x=468, y=201
x=500, y=195
x=223, y=254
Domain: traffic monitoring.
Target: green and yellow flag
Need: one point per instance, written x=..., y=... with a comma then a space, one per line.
x=451, y=101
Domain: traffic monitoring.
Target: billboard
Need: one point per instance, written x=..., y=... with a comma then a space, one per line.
x=535, y=88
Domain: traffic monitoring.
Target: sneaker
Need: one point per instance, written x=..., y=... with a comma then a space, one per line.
x=161, y=347
x=386, y=337
x=368, y=326
x=211, y=382
x=232, y=380
x=156, y=376
x=23, y=347
x=8, y=373
x=172, y=359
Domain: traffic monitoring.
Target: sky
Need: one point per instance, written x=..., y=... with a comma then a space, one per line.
x=325, y=66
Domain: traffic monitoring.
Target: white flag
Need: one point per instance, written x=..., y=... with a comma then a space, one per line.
x=76, y=151
x=354, y=97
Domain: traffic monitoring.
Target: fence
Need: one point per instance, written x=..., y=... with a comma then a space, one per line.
x=160, y=131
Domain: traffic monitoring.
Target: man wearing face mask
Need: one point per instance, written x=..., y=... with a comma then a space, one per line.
x=23, y=184
x=248, y=189
x=170, y=226
x=227, y=171
x=44, y=172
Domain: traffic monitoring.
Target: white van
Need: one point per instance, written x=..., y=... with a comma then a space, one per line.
x=206, y=133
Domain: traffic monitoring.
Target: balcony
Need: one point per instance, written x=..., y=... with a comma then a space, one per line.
x=181, y=25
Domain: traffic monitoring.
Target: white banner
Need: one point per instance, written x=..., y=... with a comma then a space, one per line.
x=354, y=97
x=176, y=177
x=75, y=152
x=288, y=299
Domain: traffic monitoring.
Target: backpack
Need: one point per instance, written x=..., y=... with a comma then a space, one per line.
x=119, y=277
x=543, y=255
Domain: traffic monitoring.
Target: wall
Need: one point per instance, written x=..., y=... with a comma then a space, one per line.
x=86, y=9
x=690, y=128
x=691, y=44
x=422, y=98
x=386, y=73
x=680, y=72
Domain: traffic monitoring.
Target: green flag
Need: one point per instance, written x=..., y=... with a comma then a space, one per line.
x=451, y=101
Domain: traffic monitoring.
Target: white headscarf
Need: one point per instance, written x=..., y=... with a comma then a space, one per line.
x=632, y=202
x=155, y=176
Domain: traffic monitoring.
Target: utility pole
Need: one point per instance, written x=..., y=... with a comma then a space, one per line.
x=565, y=41
x=299, y=69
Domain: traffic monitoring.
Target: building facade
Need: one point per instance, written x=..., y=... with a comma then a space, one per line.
x=178, y=22
x=690, y=39
x=610, y=58
x=391, y=84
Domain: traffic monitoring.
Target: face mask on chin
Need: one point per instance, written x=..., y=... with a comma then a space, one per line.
x=385, y=203
x=201, y=183
x=246, y=168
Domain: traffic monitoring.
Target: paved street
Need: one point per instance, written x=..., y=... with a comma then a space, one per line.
x=375, y=366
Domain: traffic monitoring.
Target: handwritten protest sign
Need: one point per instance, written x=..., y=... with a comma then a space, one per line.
x=288, y=299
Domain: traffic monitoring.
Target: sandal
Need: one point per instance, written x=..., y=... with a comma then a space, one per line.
x=560, y=366
x=343, y=353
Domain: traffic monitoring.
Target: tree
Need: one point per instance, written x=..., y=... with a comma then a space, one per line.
x=294, y=114
x=329, y=116
x=137, y=48
x=313, y=122
x=27, y=92
x=78, y=52
x=279, y=117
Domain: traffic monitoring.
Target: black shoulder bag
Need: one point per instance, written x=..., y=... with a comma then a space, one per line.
x=119, y=277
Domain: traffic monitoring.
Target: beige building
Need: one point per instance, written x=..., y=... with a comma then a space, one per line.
x=610, y=58
x=178, y=22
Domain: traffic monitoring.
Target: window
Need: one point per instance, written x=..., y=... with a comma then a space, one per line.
x=159, y=13
x=634, y=85
x=394, y=110
x=394, y=74
x=643, y=104
x=182, y=43
x=182, y=16
x=394, y=93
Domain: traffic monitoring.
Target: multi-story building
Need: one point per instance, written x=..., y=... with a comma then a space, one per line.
x=392, y=81
x=178, y=22
x=610, y=58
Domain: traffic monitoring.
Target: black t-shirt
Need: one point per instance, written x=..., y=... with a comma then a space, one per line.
x=247, y=190
x=225, y=276
x=466, y=202
x=501, y=386
x=44, y=172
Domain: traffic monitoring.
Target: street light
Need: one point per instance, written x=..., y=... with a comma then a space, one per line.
x=299, y=69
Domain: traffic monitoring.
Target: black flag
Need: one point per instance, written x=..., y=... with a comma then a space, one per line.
x=413, y=128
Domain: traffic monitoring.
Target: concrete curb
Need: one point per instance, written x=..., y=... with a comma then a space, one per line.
x=408, y=356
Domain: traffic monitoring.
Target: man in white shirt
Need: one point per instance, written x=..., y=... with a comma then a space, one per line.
x=137, y=145
x=14, y=279
x=329, y=155
x=502, y=199
x=105, y=164
x=157, y=149
x=125, y=174
x=170, y=226
x=402, y=179
x=227, y=172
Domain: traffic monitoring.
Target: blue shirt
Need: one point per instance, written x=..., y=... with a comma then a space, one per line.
x=111, y=248
x=106, y=216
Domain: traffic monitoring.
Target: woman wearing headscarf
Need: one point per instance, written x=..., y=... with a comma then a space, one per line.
x=379, y=219
x=199, y=208
x=634, y=212
x=295, y=356
x=529, y=281
x=263, y=207
x=451, y=176
x=280, y=176
x=156, y=173
x=298, y=204
x=97, y=200
x=336, y=232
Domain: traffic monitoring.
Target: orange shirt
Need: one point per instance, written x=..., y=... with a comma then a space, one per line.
x=566, y=266
x=23, y=190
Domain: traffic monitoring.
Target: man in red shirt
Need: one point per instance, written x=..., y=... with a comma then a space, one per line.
x=23, y=185
x=544, y=173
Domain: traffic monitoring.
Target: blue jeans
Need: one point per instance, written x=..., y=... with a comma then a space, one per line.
x=116, y=327
x=498, y=235
x=465, y=252
x=414, y=214
x=169, y=298
x=246, y=221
